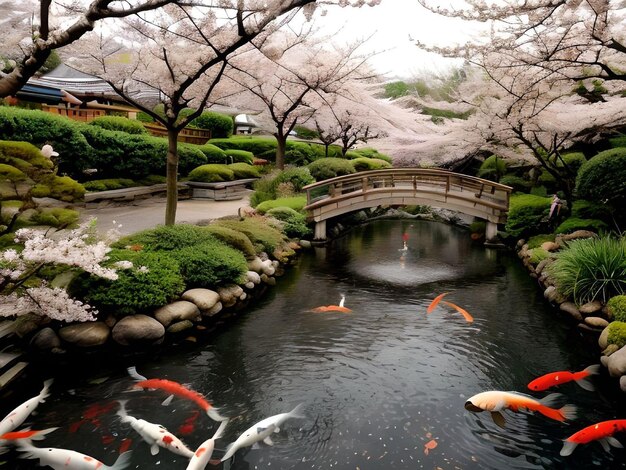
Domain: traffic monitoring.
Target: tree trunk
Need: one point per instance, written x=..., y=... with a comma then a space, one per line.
x=281, y=141
x=172, y=177
x=326, y=147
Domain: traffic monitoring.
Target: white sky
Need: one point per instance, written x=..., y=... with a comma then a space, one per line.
x=394, y=23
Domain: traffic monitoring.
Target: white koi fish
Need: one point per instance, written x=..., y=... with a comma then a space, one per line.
x=65, y=459
x=154, y=434
x=16, y=417
x=203, y=453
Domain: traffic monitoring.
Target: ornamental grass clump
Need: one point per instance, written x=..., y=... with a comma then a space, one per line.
x=591, y=269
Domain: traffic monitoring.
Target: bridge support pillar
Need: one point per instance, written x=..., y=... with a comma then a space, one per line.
x=320, y=230
x=491, y=231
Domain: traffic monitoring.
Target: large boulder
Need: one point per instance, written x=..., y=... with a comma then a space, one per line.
x=570, y=308
x=617, y=363
x=46, y=339
x=138, y=329
x=177, y=311
x=596, y=322
x=591, y=307
x=205, y=299
x=85, y=334
x=603, y=340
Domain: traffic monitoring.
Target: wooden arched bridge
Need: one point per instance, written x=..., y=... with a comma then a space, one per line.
x=407, y=186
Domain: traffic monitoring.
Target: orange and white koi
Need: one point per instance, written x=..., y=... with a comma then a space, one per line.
x=175, y=388
x=333, y=308
x=19, y=414
x=430, y=445
x=203, y=453
x=26, y=434
x=557, y=378
x=601, y=432
x=496, y=401
x=435, y=301
x=154, y=434
x=462, y=311
x=64, y=459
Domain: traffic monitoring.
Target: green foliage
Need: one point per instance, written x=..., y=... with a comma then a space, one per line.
x=211, y=173
x=25, y=157
x=298, y=177
x=540, y=191
x=618, y=141
x=589, y=269
x=144, y=117
x=261, y=234
x=51, y=63
x=365, y=164
x=59, y=187
x=134, y=291
x=213, y=153
x=590, y=210
x=257, y=145
x=518, y=183
x=118, y=123
x=294, y=222
x=325, y=168
x=296, y=203
x=10, y=173
x=369, y=153
x=306, y=133
x=445, y=113
x=280, y=183
x=55, y=217
x=617, y=307
x=526, y=214
x=233, y=238
x=537, y=254
x=219, y=124
x=166, y=237
x=603, y=178
x=396, y=90
x=210, y=264
x=302, y=153
x=109, y=184
x=492, y=168
x=617, y=333
x=538, y=240
x=573, y=160
x=236, y=156
x=572, y=224
x=244, y=170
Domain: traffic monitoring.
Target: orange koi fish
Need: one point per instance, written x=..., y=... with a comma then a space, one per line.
x=26, y=434
x=189, y=425
x=333, y=308
x=463, y=312
x=557, y=378
x=175, y=388
x=495, y=401
x=601, y=432
x=430, y=445
x=434, y=303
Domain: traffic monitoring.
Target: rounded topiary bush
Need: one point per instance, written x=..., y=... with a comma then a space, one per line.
x=213, y=153
x=572, y=224
x=296, y=203
x=211, y=173
x=294, y=222
x=617, y=307
x=365, y=164
x=166, y=238
x=325, y=168
x=233, y=238
x=617, y=334
x=298, y=177
x=220, y=125
x=239, y=156
x=25, y=157
x=603, y=178
x=261, y=234
x=118, y=123
x=55, y=217
x=492, y=168
x=527, y=213
x=369, y=152
x=301, y=153
x=244, y=170
x=59, y=187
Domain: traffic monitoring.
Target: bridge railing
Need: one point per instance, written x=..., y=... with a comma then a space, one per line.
x=408, y=179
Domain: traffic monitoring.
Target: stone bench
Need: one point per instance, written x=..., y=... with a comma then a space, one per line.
x=220, y=191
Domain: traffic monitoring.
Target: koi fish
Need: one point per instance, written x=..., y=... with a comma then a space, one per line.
x=557, y=378
x=26, y=434
x=63, y=459
x=496, y=401
x=258, y=432
x=203, y=453
x=430, y=445
x=175, y=388
x=19, y=414
x=463, y=312
x=188, y=426
x=435, y=301
x=154, y=434
x=601, y=432
x=333, y=308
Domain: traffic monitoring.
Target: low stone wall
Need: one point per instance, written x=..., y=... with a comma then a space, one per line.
x=593, y=317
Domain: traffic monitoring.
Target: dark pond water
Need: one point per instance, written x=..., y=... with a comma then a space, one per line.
x=378, y=384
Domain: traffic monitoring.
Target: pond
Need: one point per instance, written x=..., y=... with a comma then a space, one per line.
x=378, y=385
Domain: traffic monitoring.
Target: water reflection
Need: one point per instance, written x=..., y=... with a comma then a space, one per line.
x=378, y=383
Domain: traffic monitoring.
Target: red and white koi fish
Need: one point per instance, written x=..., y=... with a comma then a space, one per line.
x=203, y=453
x=26, y=434
x=601, y=432
x=333, y=308
x=16, y=417
x=557, y=378
x=496, y=401
x=175, y=388
x=65, y=459
x=435, y=301
x=462, y=311
x=154, y=434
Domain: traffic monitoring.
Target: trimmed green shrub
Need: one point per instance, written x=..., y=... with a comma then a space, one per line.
x=296, y=203
x=213, y=153
x=527, y=214
x=152, y=179
x=210, y=264
x=302, y=153
x=244, y=170
x=617, y=307
x=325, y=168
x=618, y=141
x=211, y=173
x=518, y=183
x=540, y=191
x=574, y=160
x=166, y=237
x=25, y=157
x=233, y=238
x=108, y=184
x=492, y=168
x=59, y=187
x=280, y=184
x=55, y=217
x=365, y=164
x=118, y=123
x=261, y=234
x=219, y=124
x=537, y=254
x=305, y=133
x=298, y=177
x=603, y=178
x=10, y=173
x=257, y=145
x=589, y=269
x=617, y=334
x=135, y=290
x=294, y=222
x=572, y=224
x=538, y=240
x=591, y=210
x=369, y=152
x=239, y=156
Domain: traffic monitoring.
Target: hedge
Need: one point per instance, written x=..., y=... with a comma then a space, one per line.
x=365, y=164
x=118, y=123
x=239, y=156
x=325, y=168
x=220, y=125
x=296, y=203
x=527, y=213
x=603, y=178
x=166, y=238
x=261, y=234
x=213, y=153
x=244, y=170
x=211, y=173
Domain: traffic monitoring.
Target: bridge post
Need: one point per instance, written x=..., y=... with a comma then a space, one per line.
x=491, y=231
x=320, y=230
